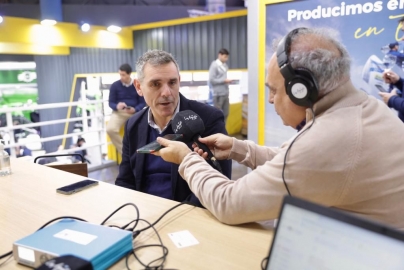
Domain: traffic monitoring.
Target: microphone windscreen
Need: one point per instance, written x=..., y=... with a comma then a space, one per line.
x=66, y=262
x=187, y=123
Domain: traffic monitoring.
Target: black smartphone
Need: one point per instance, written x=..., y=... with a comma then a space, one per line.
x=76, y=187
x=155, y=146
x=381, y=88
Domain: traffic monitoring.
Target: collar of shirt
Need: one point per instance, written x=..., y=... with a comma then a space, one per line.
x=301, y=125
x=129, y=84
x=221, y=65
x=152, y=124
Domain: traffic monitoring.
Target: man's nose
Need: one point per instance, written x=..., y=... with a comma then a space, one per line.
x=166, y=91
x=271, y=99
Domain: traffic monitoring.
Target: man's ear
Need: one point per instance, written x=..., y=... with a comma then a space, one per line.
x=137, y=85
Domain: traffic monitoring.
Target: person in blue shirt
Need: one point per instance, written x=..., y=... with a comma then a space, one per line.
x=394, y=99
x=394, y=51
x=124, y=102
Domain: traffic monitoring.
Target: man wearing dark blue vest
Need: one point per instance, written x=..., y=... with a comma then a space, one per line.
x=124, y=102
x=158, y=81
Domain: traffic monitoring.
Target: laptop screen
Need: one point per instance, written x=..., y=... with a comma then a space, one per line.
x=307, y=239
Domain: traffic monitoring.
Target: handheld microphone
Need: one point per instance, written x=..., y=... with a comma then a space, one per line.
x=190, y=125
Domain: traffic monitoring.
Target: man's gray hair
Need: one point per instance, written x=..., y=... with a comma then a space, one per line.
x=154, y=58
x=329, y=68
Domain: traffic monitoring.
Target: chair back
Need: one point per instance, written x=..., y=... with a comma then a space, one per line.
x=76, y=168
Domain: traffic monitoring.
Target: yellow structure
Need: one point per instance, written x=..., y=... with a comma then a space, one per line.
x=234, y=120
x=113, y=154
x=28, y=36
x=230, y=14
x=261, y=66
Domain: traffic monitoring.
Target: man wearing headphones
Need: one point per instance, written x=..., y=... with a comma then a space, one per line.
x=340, y=158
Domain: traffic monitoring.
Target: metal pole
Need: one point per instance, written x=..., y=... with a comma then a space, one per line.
x=9, y=119
x=84, y=107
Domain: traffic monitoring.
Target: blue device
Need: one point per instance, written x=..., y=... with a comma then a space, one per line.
x=100, y=245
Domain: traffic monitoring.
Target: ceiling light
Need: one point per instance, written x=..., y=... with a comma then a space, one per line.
x=48, y=22
x=85, y=27
x=114, y=28
x=1, y=19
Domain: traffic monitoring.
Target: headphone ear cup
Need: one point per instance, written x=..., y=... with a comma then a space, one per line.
x=302, y=89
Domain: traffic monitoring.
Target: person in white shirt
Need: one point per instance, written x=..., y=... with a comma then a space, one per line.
x=219, y=82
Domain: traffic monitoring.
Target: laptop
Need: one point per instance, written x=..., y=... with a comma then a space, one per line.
x=310, y=236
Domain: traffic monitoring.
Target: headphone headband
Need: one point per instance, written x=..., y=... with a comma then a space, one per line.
x=300, y=84
x=283, y=50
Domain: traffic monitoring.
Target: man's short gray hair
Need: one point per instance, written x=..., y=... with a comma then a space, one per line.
x=154, y=58
x=330, y=69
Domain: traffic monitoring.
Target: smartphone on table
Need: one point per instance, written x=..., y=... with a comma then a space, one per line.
x=76, y=187
x=155, y=146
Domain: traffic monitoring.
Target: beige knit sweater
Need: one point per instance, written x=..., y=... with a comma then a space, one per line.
x=352, y=159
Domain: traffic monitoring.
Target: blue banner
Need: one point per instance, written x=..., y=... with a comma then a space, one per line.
x=365, y=28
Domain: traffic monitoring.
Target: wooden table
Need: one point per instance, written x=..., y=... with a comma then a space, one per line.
x=28, y=199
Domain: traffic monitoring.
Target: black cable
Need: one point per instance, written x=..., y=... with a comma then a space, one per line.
x=134, y=226
x=153, y=268
x=154, y=223
x=49, y=222
x=164, y=248
x=290, y=146
x=6, y=254
x=119, y=208
x=114, y=226
x=149, y=265
x=10, y=256
x=130, y=229
x=263, y=263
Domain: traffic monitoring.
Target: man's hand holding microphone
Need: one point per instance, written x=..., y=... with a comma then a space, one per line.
x=175, y=151
x=190, y=125
x=219, y=144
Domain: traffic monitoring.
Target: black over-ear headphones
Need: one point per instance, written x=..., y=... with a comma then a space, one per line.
x=300, y=84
